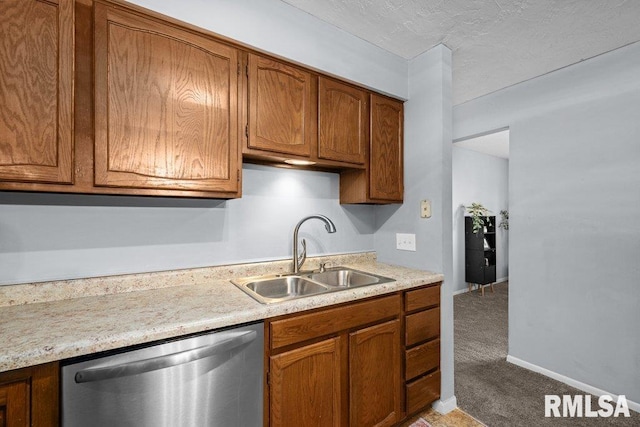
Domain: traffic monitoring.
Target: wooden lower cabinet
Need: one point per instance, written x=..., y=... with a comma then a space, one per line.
x=374, y=381
x=345, y=366
x=29, y=397
x=422, y=347
x=305, y=385
x=423, y=391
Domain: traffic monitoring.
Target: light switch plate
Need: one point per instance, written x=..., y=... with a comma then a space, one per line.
x=425, y=209
x=406, y=242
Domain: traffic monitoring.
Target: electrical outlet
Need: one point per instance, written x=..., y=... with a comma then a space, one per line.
x=425, y=209
x=406, y=242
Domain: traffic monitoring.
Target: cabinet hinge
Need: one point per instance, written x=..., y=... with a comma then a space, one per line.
x=246, y=70
x=239, y=66
x=238, y=175
x=246, y=130
x=268, y=378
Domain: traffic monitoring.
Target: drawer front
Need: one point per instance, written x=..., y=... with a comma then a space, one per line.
x=422, y=392
x=422, y=298
x=422, y=326
x=304, y=327
x=422, y=358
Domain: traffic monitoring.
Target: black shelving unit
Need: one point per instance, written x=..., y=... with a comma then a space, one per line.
x=480, y=253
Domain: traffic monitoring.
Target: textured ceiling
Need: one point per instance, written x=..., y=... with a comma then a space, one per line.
x=495, y=43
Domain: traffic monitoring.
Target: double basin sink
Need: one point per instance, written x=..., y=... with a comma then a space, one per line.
x=276, y=288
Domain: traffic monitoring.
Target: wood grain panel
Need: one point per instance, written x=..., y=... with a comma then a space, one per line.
x=280, y=107
x=305, y=386
x=421, y=359
x=422, y=298
x=342, y=121
x=375, y=382
x=304, y=327
x=14, y=404
x=166, y=106
x=29, y=396
x=36, y=91
x=386, y=171
x=422, y=326
x=422, y=392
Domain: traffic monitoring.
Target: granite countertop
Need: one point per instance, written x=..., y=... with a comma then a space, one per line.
x=46, y=322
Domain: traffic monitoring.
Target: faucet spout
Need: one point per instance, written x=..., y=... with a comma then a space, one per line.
x=298, y=261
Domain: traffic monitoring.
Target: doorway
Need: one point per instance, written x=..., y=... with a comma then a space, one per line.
x=480, y=169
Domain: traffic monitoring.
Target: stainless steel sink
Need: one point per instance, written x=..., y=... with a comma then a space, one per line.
x=272, y=288
x=346, y=278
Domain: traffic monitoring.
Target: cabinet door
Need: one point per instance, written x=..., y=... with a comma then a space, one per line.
x=29, y=397
x=14, y=404
x=386, y=173
x=305, y=386
x=375, y=375
x=166, y=112
x=36, y=91
x=280, y=107
x=342, y=122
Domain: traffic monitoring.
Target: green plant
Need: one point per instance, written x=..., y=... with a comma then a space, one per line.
x=477, y=212
x=504, y=223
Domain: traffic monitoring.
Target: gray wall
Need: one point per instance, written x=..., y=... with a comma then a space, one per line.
x=280, y=29
x=575, y=202
x=427, y=175
x=50, y=236
x=484, y=179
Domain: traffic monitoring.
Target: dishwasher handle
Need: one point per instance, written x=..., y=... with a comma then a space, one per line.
x=162, y=362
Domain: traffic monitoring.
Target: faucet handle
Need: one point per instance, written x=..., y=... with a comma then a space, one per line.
x=303, y=255
x=323, y=267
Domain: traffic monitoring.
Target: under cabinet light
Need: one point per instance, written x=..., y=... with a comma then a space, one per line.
x=297, y=162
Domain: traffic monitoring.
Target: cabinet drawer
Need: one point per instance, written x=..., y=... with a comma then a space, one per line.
x=422, y=326
x=422, y=358
x=422, y=298
x=304, y=327
x=422, y=392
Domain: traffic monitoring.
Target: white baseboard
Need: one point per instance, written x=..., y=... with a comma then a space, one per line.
x=502, y=279
x=459, y=291
x=635, y=406
x=445, y=406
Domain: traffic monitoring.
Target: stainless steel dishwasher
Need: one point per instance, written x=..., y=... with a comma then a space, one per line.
x=213, y=379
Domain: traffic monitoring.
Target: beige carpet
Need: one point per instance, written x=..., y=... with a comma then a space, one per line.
x=493, y=391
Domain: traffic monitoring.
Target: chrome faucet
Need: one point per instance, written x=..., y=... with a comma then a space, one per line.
x=298, y=261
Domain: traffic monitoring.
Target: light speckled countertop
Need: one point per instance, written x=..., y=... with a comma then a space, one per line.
x=45, y=322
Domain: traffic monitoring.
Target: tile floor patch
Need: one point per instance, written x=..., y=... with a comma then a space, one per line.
x=420, y=423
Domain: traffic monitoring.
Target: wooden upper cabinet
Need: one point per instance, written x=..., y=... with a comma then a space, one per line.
x=385, y=169
x=36, y=91
x=281, y=109
x=342, y=122
x=382, y=181
x=166, y=113
x=375, y=380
